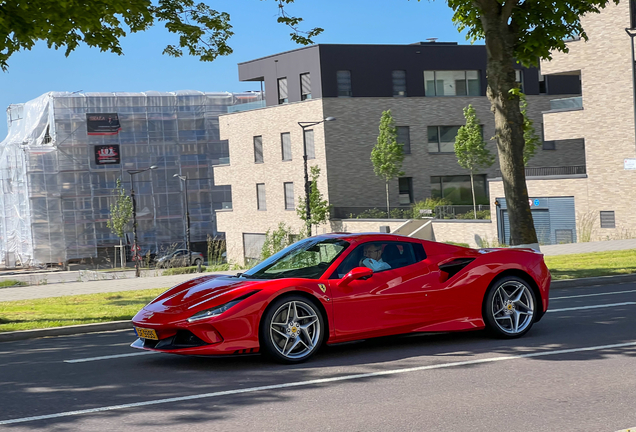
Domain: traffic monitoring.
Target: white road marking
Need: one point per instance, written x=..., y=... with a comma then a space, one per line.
x=592, y=295
x=592, y=307
x=82, y=360
x=314, y=382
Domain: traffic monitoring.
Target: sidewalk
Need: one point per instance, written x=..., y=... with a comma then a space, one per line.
x=92, y=287
x=599, y=246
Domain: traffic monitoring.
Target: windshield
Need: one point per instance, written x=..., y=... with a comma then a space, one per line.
x=308, y=258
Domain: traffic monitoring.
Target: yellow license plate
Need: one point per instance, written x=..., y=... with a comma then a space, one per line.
x=146, y=333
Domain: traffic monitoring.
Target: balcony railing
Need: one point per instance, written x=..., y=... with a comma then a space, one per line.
x=246, y=106
x=553, y=171
x=567, y=104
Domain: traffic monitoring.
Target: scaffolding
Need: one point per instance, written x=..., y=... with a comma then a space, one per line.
x=56, y=195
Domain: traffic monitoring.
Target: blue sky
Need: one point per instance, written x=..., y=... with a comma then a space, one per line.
x=143, y=67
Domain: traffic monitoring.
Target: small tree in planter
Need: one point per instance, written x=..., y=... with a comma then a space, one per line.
x=319, y=208
x=470, y=148
x=387, y=155
x=120, y=214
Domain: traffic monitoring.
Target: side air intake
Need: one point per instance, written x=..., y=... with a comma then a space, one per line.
x=455, y=266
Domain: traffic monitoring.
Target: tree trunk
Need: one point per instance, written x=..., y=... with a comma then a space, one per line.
x=500, y=39
x=388, y=214
x=472, y=188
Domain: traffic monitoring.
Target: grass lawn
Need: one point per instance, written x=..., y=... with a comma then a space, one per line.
x=592, y=264
x=11, y=283
x=72, y=310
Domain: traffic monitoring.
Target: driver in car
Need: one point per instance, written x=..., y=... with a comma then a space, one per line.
x=373, y=257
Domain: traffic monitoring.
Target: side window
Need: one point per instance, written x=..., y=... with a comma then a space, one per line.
x=380, y=256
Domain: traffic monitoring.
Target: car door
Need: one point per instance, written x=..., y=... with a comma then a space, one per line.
x=390, y=301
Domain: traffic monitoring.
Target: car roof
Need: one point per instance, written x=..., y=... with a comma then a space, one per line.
x=368, y=236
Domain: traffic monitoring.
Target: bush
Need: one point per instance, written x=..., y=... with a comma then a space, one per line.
x=481, y=214
x=457, y=244
x=277, y=240
x=11, y=283
x=428, y=204
x=217, y=268
x=182, y=270
x=373, y=213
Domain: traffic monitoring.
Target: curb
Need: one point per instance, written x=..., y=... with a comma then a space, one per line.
x=599, y=280
x=119, y=325
x=68, y=330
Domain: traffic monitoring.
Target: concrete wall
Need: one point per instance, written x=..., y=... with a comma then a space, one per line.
x=477, y=233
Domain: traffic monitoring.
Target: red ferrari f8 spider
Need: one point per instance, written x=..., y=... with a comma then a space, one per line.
x=343, y=287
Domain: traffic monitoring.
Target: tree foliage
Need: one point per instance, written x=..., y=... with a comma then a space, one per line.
x=277, y=240
x=387, y=155
x=201, y=31
x=319, y=207
x=530, y=137
x=470, y=148
x=120, y=211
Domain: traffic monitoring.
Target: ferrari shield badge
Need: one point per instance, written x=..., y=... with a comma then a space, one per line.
x=322, y=287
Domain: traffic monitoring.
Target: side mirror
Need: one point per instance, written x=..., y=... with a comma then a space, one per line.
x=355, y=274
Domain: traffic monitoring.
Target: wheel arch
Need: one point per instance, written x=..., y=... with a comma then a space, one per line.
x=522, y=275
x=300, y=293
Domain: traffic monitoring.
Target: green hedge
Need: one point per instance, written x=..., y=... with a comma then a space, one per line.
x=182, y=270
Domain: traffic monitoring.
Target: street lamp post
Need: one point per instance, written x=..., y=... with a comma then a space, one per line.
x=184, y=178
x=304, y=126
x=134, y=215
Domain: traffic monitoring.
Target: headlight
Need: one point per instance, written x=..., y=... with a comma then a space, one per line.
x=208, y=313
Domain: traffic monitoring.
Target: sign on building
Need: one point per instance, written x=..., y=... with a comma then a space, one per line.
x=107, y=154
x=630, y=163
x=102, y=124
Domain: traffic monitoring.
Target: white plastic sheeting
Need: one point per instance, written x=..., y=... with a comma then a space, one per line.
x=56, y=200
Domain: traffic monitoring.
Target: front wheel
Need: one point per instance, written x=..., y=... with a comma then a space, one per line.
x=510, y=307
x=292, y=329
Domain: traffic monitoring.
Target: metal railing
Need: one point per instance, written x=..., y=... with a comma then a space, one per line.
x=571, y=103
x=553, y=171
x=457, y=211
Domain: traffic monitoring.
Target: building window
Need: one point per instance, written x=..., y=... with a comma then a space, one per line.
x=310, y=148
x=457, y=190
x=519, y=78
x=406, y=190
x=608, y=219
x=441, y=139
x=285, y=141
x=252, y=247
x=452, y=83
x=289, y=196
x=399, y=83
x=258, y=149
x=404, y=138
x=282, y=91
x=260, y=196
x=343, y=78
x=305, y=86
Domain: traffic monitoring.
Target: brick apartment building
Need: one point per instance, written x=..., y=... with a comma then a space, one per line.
x=425, y=85
x=603, y=199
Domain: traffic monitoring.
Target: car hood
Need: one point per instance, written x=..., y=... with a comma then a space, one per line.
x=201, y=293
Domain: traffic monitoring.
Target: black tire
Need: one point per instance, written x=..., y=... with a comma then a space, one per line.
x=197, y=262
x=510, y=307
x=305, y=341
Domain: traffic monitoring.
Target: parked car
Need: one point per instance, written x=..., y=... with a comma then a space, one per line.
x=342, y=287
x=179, y=258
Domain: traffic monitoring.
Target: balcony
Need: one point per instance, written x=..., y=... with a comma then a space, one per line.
x=246, y=106
x=574, y=170
x=566, y=104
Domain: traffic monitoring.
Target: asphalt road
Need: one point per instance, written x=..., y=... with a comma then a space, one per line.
x=574, y=371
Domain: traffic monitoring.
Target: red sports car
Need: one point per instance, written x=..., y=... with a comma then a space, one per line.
x=342, y=287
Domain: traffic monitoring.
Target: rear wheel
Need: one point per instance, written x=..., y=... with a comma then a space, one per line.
x=292, y=329
x=510, y=307
x=198, y=261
